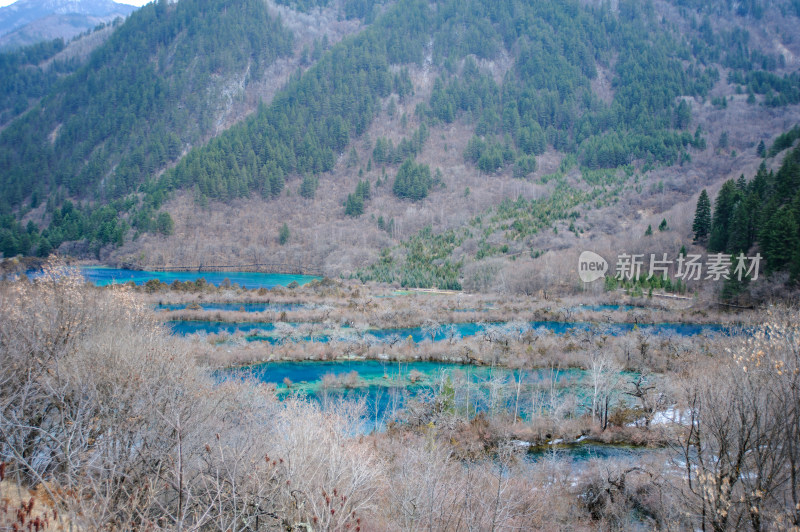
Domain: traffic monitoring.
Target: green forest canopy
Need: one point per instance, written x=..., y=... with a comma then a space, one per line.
x=131, y=110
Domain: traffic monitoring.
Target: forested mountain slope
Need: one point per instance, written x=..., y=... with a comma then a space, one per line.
x=153, y=88
x=23, y=80
x=763, y=210
x=124, y=113
x=433, y=114
x=545, y=98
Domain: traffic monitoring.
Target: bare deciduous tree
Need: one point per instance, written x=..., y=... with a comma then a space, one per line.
x=740, y=445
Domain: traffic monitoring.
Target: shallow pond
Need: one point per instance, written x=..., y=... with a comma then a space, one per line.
x=382, y=387
x=589, y=450
x=385, y=387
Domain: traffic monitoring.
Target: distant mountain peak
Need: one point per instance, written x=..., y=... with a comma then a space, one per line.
x=63, y=7
x=28, y=21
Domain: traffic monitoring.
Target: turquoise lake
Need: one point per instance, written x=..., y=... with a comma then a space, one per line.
x=385, y=386
x=584, y=451
x=102, y=276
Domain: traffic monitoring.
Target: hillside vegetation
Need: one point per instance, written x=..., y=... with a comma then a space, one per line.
x=545, y=99
x=580, y=103
x=765, y=211
x=144, y=95
x=23, y=80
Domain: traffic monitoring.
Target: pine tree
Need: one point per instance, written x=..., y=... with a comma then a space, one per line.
x=761, y=150
x=732, y=286
x=352, y=158
x=702, y=217
x=741, y=183
x=744, y=224
x=283, y=235
x=363, y=189
x=683, y=115
x=412, y=181
x=724, y=207
x=779, y=238
x=308, y=187
x=649, y=231
x=164, y=223
x=723, y=141
x=354, y=206
x=663, y=225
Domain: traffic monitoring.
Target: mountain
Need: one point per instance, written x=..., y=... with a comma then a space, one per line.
x=27, y=22
x=153, y=87
x=444, y=144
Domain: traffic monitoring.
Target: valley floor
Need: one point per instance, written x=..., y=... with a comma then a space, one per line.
x=385, y=409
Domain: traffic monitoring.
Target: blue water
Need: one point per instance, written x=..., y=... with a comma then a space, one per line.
x=254, y=331
x=193, y=327
x=417, y=334
x=585, y=451
x=384, y=388
x=557, y=327
x=313, y=371
x=102, y=276
x=238, y=307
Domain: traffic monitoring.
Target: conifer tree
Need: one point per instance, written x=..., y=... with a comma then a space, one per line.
x=283, y=235
x=354, y=206
x=308, y=187
x=779, y=238
x=727, y=199
x=741, y=183
x=702, y=217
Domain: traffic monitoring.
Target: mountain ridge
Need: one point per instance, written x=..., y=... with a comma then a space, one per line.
x=26, y=22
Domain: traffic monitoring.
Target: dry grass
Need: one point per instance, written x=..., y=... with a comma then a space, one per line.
x=22, y=509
